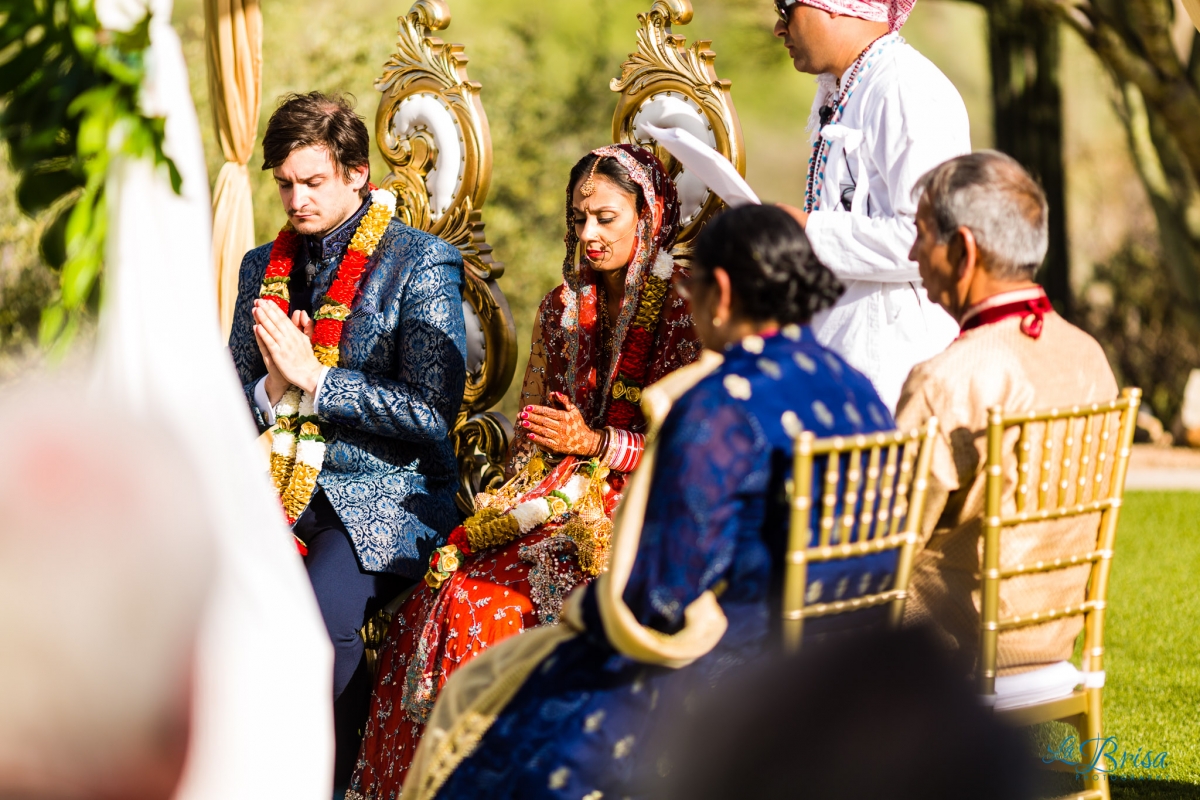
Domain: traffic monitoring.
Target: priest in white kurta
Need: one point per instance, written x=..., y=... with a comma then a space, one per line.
x=884, y=115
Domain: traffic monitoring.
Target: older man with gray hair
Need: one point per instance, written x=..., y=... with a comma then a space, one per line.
x=981, y=236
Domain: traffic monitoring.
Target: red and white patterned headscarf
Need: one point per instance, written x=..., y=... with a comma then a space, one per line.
x=893, y=12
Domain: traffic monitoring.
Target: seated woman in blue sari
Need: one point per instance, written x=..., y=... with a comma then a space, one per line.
x=578, y=710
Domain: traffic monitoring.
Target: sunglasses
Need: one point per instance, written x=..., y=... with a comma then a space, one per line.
x=784, y=8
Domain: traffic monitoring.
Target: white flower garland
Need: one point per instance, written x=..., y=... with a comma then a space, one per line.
x=664, y=265
x=533, y=513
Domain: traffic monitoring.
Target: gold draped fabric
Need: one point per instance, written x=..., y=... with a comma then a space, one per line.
x=234, y=39
x=1193, y=10
x=479, y=691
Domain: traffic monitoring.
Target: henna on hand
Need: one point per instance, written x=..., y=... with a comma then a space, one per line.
x=560, y=430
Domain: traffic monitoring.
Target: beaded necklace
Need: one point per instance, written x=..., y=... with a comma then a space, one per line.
x=606, y=329
x=832, y=115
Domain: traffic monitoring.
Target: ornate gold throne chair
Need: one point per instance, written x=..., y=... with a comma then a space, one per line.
x=670, y=85
x=433, y=133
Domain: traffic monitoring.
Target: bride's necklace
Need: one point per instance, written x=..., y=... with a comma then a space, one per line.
x=607, y=331
x=297, y=447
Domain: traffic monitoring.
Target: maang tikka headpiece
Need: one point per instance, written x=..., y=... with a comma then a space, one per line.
x=588, y=187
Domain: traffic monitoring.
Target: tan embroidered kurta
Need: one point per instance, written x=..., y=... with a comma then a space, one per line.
x=997, y=364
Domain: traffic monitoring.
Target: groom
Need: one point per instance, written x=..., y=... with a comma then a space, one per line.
x=385, y=491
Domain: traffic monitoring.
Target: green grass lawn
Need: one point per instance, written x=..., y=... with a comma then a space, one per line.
x=1152, y=692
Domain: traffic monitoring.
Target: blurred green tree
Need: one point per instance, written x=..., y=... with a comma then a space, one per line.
x=538, y=135
x=1159, y=104
x=1024, y=48
x=26, y=283
x=1141, y=45
x=70, y=91
x=1151, y=340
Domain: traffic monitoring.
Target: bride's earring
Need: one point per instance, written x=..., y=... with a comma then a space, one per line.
x=718, y=322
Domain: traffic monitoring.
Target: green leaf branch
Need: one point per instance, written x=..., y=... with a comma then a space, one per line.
x=70, y=94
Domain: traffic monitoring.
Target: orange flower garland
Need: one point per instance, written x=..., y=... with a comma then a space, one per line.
x=297, y=447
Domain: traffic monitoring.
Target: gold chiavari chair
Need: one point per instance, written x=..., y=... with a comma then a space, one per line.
x=872, y=500
x=1083, y=454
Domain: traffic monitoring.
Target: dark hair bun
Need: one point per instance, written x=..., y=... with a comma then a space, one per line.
x=773, y=272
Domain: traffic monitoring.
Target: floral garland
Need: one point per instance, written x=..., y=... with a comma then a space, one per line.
x=634, y=361
x=297, y=446
x=492, y=526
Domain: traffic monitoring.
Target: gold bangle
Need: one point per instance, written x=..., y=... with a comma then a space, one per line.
x=610, y=442
x=603, y=446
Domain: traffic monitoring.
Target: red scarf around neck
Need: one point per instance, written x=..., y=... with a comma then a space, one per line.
x=1031, y=305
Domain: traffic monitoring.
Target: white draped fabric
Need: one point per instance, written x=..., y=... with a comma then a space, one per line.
x=703, y=161
x=263, y=722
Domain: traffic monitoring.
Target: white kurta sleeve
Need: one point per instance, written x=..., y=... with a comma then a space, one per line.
x=906, y=133
x=317, y=391
x=861, y=248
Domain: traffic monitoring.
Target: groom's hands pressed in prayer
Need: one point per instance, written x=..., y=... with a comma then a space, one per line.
x=560, y=431
x=286, y=349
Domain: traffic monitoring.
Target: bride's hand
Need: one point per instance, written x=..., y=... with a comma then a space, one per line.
x=560, y=431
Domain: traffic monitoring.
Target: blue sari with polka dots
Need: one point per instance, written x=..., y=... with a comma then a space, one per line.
x=593, y=724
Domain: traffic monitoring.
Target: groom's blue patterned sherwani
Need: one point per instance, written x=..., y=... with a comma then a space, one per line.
x=388, y=408
x=386, y=496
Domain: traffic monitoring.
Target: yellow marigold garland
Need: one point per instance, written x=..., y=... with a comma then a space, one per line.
x=297, y=446
x=654, y=292
x=491, y=528
x=590, y=528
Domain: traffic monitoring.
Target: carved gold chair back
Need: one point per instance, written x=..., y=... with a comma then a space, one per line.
x=669, y=85
x=433, y=134
x=1069, y=463
x=872, y=497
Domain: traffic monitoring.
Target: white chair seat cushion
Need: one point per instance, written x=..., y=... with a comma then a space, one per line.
x=1042, y=685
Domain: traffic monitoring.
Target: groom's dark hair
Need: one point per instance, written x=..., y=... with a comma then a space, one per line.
x=318, y=120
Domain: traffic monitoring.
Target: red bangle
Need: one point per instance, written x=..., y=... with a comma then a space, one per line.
x=624, y=449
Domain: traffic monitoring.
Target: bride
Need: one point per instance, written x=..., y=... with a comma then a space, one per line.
x=615, y=325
